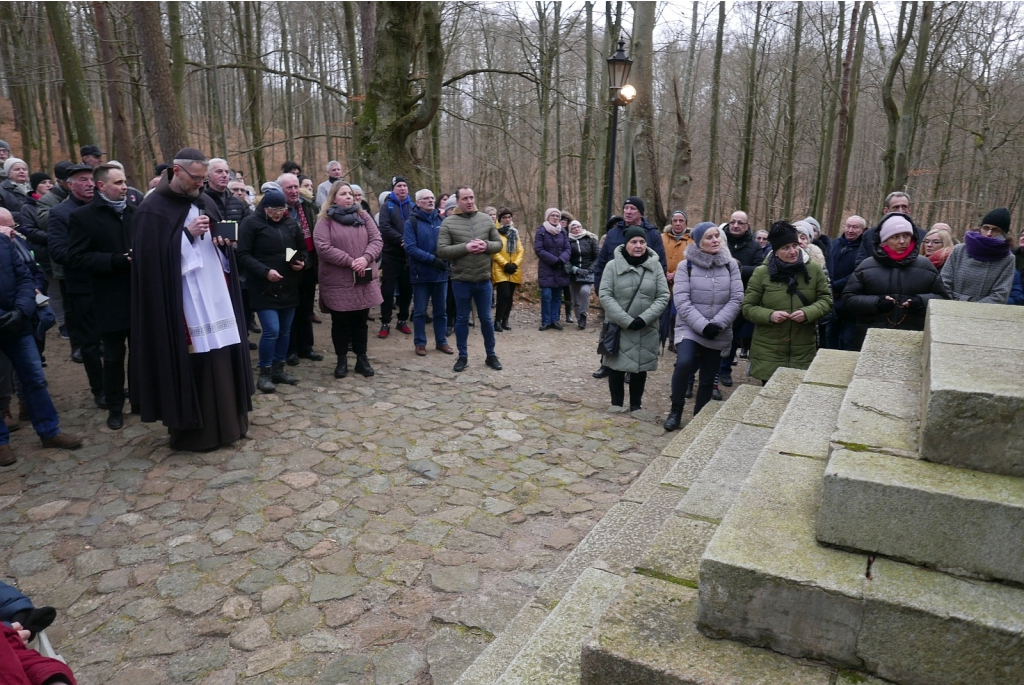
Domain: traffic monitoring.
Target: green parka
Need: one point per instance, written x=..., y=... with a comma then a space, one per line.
x=638, y=350
x=788, y=344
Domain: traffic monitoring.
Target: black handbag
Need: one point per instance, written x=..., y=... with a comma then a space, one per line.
x=608, y=343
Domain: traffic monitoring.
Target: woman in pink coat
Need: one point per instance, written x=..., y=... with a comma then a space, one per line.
x=348, y=243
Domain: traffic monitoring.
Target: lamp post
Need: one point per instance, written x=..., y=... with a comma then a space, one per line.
x=621, y=94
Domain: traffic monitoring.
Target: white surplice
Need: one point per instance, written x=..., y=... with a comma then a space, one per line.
x=207, y=302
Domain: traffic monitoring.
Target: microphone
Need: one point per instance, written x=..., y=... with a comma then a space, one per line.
x=200, y=202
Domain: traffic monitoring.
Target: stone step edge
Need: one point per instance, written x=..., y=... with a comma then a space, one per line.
x=951, y=519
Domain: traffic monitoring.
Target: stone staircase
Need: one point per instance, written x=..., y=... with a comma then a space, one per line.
x=834, y=527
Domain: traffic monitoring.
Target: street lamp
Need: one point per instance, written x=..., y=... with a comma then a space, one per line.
x=621, y=94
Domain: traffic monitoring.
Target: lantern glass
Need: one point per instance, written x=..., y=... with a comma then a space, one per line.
x=618, y=67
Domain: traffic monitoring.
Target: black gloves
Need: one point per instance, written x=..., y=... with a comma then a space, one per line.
x=440, y=265
x=885, y=306
x=10, y=320
x=711, y=331
x=916, y=303
x=119, y=262
x=637, y=324
x=511, y=268
x=559, y=264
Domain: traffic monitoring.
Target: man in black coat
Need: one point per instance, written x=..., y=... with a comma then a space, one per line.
x=395, y=211
x=303, y=213
x=78, y=310
x=188, y=366
x=99, y=244
x=748, y=253
x=895, y=202
x=841, y=331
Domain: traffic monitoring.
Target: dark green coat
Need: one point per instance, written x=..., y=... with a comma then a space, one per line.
x=788, y=343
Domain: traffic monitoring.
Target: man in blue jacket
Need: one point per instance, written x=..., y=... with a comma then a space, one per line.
x=429, y=275
x=394, y=212
x=632, y=215
x=17, y=306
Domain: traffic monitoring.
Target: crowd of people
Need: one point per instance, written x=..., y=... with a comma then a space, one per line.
x=181, y=275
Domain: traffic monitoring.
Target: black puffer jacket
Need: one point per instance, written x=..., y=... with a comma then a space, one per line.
x=261, y=247
x=11, y=197
x=913, y=277
x=747, y=251
x=28, y=222
x=229, y=206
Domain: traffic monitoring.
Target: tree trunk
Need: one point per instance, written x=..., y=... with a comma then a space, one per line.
x=679, y=179
x=124, y=150
x=748, y=120
x=368, y=24
x=71, y=71
x=912, y=101
x=892, y=111
x=851, y=119
x=213, y=81
x=545, y=68
x=613, y=27
x=170, y=124
x=556, y=57
x=289, y=131
x=691, y=56
x=716, y=87
x=787, y=174
x=391, y=113
x=832, y=223
x=648, y=180
x=586, y=145
x=825, y=156
x=355, y=70
x=246, y=14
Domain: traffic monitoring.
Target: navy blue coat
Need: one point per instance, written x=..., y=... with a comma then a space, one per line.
x=17, y=289
x=12, y=600
x=553, y=252
x=616, y=236
x=420, y=237
x=1017, y=292
x=393, y=215
x=842, y=261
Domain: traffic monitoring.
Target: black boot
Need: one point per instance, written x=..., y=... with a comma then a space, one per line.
x=264, y=383
x=675, y=417
x=582, y=322
x=279, y=375
x=504, y=324
x=363, y=365
x=689, y=390
x=341, y=370
x=568, y=314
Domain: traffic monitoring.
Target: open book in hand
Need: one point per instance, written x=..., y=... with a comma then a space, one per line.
x=289, y=254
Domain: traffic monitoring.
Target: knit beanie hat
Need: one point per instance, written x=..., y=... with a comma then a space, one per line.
x=273, y=198
x=804, y=227
x=813, y=222
x=451, y=204
x=612, y=222
x=894, y=224
x=782, y=233
x=998, y=217
x=271, y=185
x=355, y=188
x=679, y=211
x=636, y=202
x=10, y=162
x=4, y=145
x=395, y=180
x=635, y=232
x=35, y=179
x=700, y=229
x=549, y=210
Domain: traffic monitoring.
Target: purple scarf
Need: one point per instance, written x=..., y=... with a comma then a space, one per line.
x=984, y=248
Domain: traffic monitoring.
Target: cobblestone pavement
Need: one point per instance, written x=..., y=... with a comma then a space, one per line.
x=367, y=530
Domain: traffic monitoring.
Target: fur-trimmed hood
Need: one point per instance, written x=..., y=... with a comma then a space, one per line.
x=706, y=260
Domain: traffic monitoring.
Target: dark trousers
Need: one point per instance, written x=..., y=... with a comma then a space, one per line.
x=395, y=273
x=690, y=357
x=505, y=291
x=115, y=349
x=247, y=311
x=346, y=327
x=737, y=339
x=841, y=333
x=451, y=309
x=617, y=387
x=81, y=323
x=302, y=326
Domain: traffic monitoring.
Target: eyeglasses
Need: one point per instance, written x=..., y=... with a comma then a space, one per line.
x=197, y=179
x=990, y=230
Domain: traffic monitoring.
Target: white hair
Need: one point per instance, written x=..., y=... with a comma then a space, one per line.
x=222, y=161
x=863, y=222
x=281, y=178
x=116, y=163
x=421, y=192
x=332, y=163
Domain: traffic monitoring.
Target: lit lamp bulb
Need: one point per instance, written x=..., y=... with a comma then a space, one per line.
x=627, y=93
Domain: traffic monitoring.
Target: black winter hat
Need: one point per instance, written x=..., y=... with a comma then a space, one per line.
x=395, y=180
x=60, y=169
x=612, y=222
x=190, y=153
x=998, y=217
x=636, y=202
x=35, y=179
x=782, y=233
x=273, y=198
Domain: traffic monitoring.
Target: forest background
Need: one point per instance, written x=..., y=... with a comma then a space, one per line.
x=779, y=108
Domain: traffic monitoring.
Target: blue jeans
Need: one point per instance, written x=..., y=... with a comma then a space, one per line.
x=277, y=330
x=24, y=355
x=465, y=294
x=422, y=294
x=550, y=305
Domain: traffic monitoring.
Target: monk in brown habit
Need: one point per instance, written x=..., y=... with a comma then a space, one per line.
x=189, y=359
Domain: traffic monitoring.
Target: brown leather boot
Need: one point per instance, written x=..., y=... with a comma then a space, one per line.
x=63, y=441
x=7, y=456
x=12, y=423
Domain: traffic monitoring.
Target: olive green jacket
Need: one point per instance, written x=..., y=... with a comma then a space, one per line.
x=638, y=350
x=788, y=343
x=456, y=231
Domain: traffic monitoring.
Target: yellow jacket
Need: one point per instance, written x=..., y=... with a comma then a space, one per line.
x=500, y=258
x=675, y=249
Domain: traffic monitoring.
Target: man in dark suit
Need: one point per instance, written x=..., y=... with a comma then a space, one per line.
x=99, y=245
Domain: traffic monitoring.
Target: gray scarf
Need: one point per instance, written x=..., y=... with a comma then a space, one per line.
x=117, y=206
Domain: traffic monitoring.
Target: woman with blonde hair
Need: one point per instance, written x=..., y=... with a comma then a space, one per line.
x=348, y=244
x=937, y=245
